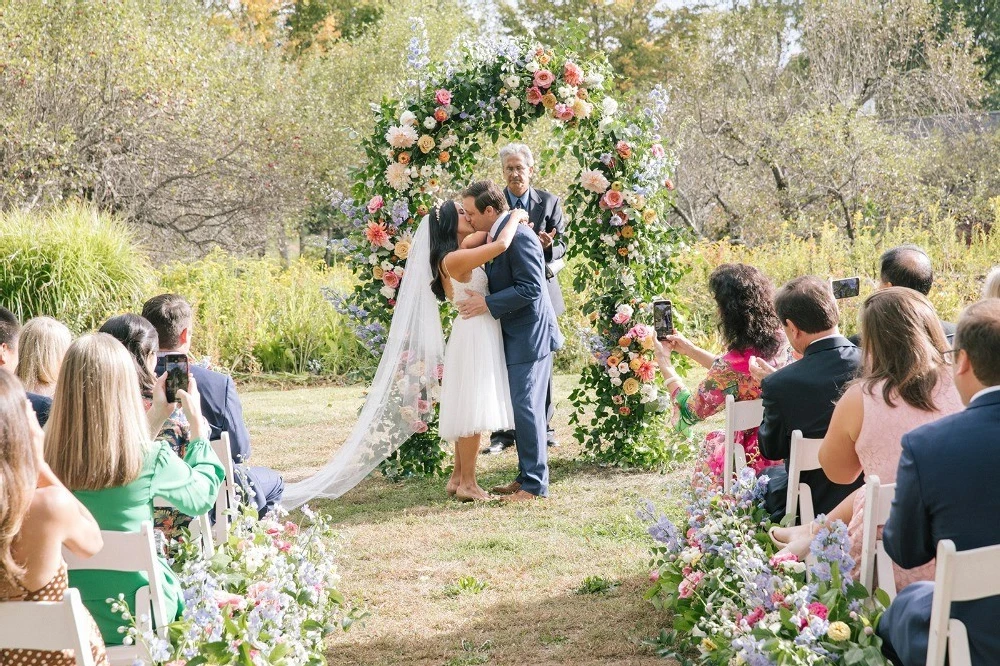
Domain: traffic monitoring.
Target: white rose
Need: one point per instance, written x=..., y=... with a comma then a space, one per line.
x=532, y=67
x=567, y=93
x=605, y=124
x=625, y=309
x=511, y=81
x=613, y=373
x=632, y=355
x=628, y=279
x=609, y=239
x=594, y=80
x=388, y=292
x=372, y=259
x=616, y=381
x=514, y=103
x=430, y=123
x=387, y=265
x=623, y=368
x=398, y=270
x=609, y=106
x=408, y=118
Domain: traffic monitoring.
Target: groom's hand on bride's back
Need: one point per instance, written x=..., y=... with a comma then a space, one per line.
x=473, y=305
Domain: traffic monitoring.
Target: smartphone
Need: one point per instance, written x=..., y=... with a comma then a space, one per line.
x=846, y=287
x=663, y=318
x=176, y=367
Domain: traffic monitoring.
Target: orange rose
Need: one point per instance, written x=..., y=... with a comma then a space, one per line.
x=444, y=157
x=623, y=251
x=628, y=231
x=613, y=361
x=440, y=114
x=624, y=341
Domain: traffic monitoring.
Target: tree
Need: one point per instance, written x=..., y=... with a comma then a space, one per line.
x=982, y=17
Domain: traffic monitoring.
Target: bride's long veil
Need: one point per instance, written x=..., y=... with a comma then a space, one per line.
x=401, y=396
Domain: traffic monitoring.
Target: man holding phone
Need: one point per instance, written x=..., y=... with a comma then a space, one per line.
x=172, y=318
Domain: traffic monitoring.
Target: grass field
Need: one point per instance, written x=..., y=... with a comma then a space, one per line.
x=553, y=582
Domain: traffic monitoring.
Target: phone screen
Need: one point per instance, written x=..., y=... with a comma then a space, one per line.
x=176, y=367
x=846, y=287
x=663, y=318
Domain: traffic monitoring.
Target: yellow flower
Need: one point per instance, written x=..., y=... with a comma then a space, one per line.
x=627, y=231
x=647, y=343
x=544, y=59
x=377, y=272
x=617, y=186
x=402, y=249
x=630, y=386
x=635, y=364
x=425, y=143
x=708, y=646
x=695, y=559
x=649, y=215
x=549, y=101
x=638, y=202
x=838, y=631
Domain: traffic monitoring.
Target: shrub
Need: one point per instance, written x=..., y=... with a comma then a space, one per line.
x=71, y=263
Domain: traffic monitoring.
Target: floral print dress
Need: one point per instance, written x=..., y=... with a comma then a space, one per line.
x=729, y=375
x=177, y=432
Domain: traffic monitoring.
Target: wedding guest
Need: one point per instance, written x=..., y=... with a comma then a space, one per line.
x=750, y=327
x=173, y=319
x=10, y=332
x=991, y=288
x=905, y=383
x=545, y=217
x=98, y=443
x=40, y=349
x=38, y=518
x=140, y=339
x=801, y=395
x=946, y=489
x=907, y=266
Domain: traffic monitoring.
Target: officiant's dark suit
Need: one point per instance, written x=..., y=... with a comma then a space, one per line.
x=545, y=214
x=801, y=396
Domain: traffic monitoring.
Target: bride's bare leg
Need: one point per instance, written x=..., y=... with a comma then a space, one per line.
x=456, y=473
x=842, y=511
x=467, y=448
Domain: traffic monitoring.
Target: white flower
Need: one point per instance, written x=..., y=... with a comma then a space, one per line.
x=373, y=259
x=648, y=393
x=623, y=368
x=626, y=310
x=594, y=181
x=388, y=292
x=430, y=123
x=532, y=67
x=609, y=106
x=408, y=118
x=387, y=265
x=401, y=136
x=448, y=141
x=567, y=93
x=605, y=124
x=628, y=279
x=594, y=80
x=398, y=270
x=511, y=81
x=514, y=103
x=613, y=373
x=426, y=171
x=609, y=239
x=616, y=381
x=398, y=176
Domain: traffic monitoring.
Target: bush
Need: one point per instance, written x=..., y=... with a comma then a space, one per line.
x=71, y=263
x=251, y=315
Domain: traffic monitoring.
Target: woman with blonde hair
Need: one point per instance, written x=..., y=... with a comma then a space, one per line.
x=38, y=517
x=98, y=442
x=991, y=288
x=40, y=351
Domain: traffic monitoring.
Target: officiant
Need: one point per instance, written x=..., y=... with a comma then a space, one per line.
x=546, y=219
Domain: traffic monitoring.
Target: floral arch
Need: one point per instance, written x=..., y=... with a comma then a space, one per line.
x=625, y=253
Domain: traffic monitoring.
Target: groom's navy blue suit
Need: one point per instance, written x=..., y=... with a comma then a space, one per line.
x=520, y=299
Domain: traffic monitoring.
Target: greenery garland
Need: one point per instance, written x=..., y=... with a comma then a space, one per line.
x=429, y=141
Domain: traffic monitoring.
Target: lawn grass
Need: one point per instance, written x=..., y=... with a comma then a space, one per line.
x=553, y=582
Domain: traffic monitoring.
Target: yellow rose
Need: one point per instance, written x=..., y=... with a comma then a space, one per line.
x=638, y=202
x=838, y=631
x=649, y=215
x=635, y=364
x=377, y=272
x=425, y=143
x=648, y=343
x=549, y=101
x=630, y=386
x=627, y=231
x=708, y=646
x=402, y=249
x=617, y=186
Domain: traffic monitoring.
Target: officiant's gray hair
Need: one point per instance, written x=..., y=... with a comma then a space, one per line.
x=517, y=149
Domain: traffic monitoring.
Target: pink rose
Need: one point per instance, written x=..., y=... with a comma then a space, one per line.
x=273, y=531
x=419, y=427
x=442, y=97
x=572, y=74
x=282, y=545
x=819, y=610
x=376, y=204
x=563, y=112
x=613, y=199
x=224, y=599
x=783, y=557
x=423, y=406
x=658, y=150
x=291, y=528
x=534, y=95
x=688, y=585
x=390, y=279
x=620, y=318
x=544, y=78
x=654, y=575
x=640, y=332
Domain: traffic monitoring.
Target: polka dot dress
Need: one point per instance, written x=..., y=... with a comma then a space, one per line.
x=53, y=591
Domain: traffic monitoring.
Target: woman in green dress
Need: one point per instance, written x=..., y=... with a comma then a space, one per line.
x=98, y=443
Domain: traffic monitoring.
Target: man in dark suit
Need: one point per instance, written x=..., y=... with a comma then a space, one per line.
x=545, y=216
x=10, y=333
x=172, y=318
x=908, y=266
x=946, y=488
x=801, y=396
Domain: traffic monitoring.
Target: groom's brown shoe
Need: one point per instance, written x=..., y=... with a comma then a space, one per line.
x=509, y=489
x=521, y=496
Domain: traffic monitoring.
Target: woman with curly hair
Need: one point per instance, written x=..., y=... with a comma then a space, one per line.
x=749, y=327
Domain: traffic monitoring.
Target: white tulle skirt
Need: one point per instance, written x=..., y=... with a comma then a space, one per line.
x=475, y=393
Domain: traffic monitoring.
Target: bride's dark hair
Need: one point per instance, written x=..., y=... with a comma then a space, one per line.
x=444, y=239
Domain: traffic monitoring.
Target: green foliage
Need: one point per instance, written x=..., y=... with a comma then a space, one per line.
x=982, y=17
x=252, y=315
x=465, y=585
x=71, y=263
x=596, y=585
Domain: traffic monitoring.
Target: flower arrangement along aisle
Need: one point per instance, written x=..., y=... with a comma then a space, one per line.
x=735, y=602
x=267, y=597
x=425, y=145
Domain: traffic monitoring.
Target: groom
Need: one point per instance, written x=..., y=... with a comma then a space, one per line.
x=519, y=298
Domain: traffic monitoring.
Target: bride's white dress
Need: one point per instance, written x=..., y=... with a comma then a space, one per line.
x=475, y=393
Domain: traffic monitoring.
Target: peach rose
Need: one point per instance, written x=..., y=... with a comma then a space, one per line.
x=613, y=199
x=572, y=74
x=390, y=279
x=544, y=78
x=534, y=95
x=425, y=143
x=440, y=114
x=444, y=157
x=549, y=101
x=624, y=149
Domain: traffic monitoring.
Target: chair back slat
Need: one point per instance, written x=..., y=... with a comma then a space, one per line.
x=740, y=416
x=803, y=457
x=874, y=559
x=66, y=626
x=227, y=498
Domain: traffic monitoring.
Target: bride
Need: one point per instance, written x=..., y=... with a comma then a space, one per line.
x=444, y=262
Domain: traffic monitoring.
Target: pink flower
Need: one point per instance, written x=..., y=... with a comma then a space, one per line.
x=257, y=590
x=620, y=318
x=641, y=332
x=442, y=97
x=646, y=371
x=819, y=610
x=273, y=530
x=777, y=597
x=756, y=616
x=439, y=371
x=224, y=599
x=376, y=234
x=783, y=557
x=390, y=279
x=572, y=74
x=563, y=112
x=419, y=427
x=658, y=150
x=423, y=406
x=654, y=575
x=594, y=181
x=176, y=662
x=624, y=149
x=618, y=399
x=376, y=204
x=291, y=528
x=688, y=585
x=613, y=199
x=534, y=95
x=282, y=545
x=544, y=78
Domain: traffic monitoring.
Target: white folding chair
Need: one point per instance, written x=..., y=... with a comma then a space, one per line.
x=876, y=567
x=200, y=528
x=740, y=416
x=959, y=576
x=130, y=551
x=47, y=625
x=804, y=457
x=228, y=498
